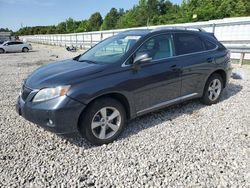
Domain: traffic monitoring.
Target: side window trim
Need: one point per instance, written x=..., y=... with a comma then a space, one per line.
x=204, y=40
x=174, y=49
x=190, y=36
x=172, y=45
x=205, y=50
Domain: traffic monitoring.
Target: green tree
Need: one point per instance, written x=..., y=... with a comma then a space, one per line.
x=152, y=12
x=95, y=21
x=61, y=28
x=111, y=19
x=83, y=26
x=71, y=25
x=5, y=30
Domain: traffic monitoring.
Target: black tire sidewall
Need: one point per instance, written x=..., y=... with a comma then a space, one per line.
x=205, y=98
x=25, y=49
x=86, y=120
x=1, y=51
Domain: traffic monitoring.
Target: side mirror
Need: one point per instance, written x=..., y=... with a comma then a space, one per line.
x=6, y=45
x=140, y=58
x=144, y=57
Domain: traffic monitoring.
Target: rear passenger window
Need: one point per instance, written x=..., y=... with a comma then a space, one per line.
x=16, y=43
x=187, y=43
x=209, y=45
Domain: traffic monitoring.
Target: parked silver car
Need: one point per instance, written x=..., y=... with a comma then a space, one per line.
x=15, y=46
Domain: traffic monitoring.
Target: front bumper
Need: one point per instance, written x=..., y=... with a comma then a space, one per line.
x=58, y=115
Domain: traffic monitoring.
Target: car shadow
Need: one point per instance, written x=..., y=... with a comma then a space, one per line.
x=167, y=114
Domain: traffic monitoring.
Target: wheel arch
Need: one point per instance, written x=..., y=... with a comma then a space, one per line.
x=3, y=50
x=117, y=96
x=25, y=48
x=223, y=75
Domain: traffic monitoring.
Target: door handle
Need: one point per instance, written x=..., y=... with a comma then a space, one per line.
x=174, y=68
x=210, y=60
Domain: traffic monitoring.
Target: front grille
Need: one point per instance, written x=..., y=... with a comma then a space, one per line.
x=25, y=92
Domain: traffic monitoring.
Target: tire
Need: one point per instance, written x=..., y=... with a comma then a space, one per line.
x=213, y=90
x=95, y=126
x=25, y=49
x=2, y=51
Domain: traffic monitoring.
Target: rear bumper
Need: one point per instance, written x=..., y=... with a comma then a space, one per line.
x=58, y=115
x=229, y=74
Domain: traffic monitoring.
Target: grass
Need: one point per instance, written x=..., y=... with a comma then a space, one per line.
x=237, y=61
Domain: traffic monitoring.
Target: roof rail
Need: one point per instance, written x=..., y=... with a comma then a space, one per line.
x=180, y=27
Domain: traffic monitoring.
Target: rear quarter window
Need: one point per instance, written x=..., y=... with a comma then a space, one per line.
x=209, y=45
x=186, y=43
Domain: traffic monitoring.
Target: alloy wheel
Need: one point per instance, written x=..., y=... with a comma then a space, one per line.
x=214, y=89
x=106, y=123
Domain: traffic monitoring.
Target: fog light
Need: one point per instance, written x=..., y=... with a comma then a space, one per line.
x=51, y=122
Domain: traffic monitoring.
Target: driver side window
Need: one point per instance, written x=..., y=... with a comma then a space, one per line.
x=158, y=47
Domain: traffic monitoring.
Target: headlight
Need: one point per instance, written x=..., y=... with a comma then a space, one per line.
x=51, y=93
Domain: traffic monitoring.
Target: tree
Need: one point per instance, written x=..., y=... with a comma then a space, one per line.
x=71, y=25
x=83, y=26
x=148, y=12
x=111, y=19
x=5, y=30
x=61, y=28
x=95, y=21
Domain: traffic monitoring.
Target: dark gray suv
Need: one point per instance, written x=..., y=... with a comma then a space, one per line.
x=123, y=77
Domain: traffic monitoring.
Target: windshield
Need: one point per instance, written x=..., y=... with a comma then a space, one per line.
x=110, y=50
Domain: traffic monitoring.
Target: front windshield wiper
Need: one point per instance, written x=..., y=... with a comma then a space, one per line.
x=87, y=61
x=77, y=58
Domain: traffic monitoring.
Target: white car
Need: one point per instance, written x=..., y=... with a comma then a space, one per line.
x=15, y=46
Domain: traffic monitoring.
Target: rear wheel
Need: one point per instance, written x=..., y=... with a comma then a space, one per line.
x=213, y=90
x=1, y=51
x=103, y=121
x=25, y=49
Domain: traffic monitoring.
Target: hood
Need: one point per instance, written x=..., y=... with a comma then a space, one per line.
x=66, y=72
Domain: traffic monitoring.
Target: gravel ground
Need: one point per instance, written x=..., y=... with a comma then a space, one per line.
x=190, y=145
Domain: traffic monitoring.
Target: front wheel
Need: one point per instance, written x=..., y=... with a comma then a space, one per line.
x=1, y=51
x=103, y=121
x=25, y=49
x=213, y=90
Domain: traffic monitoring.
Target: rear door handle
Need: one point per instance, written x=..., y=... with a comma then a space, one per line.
x=210, y=60
x=174, y=67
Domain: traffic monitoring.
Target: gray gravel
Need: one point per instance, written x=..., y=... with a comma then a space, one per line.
x=190, y=145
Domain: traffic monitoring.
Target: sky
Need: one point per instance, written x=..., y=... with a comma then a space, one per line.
x=17, y=13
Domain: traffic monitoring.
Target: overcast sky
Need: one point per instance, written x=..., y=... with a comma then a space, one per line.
x=14, y=13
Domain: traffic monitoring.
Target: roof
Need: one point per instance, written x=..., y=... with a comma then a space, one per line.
x=147, y=31
x=136, y=32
